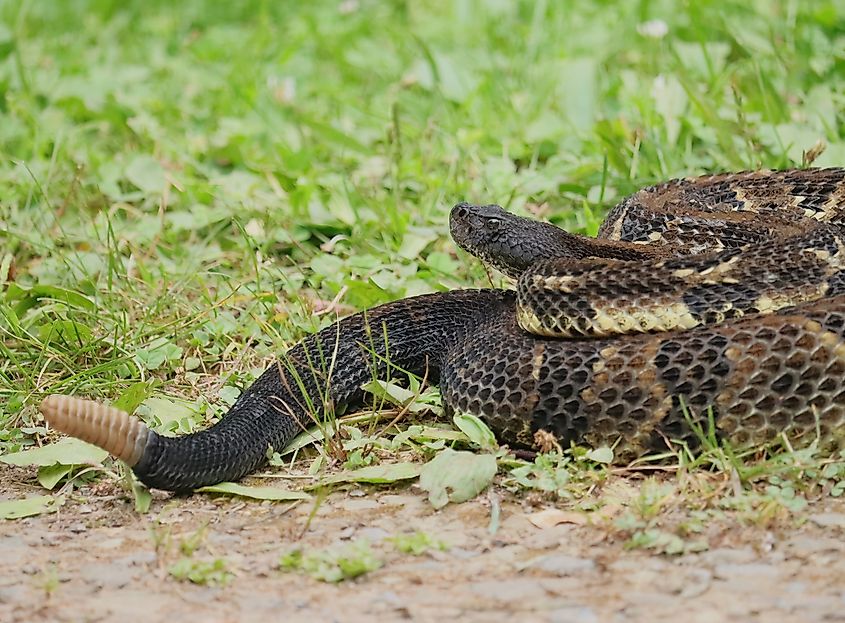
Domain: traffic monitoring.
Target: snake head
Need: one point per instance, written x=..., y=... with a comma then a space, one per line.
x=507, y=242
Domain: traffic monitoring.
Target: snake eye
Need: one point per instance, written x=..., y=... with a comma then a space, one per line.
x=493, y=224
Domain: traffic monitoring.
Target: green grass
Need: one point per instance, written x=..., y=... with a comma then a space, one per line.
x=184, y=184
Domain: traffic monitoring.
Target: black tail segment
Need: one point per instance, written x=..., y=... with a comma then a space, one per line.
x=326, y=368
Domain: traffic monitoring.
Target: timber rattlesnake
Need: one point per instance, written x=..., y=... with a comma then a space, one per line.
x=766, y=350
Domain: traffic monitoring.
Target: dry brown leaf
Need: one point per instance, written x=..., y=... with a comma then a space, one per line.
x=550, y=517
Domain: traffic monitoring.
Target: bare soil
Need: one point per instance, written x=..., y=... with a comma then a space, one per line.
x=96, y=559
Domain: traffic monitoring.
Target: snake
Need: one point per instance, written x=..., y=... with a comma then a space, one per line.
x=712, y=303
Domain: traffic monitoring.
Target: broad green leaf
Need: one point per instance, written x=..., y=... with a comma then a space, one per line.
x=476, y=430
x=15, y=509
x=600, y=455
x=327, y=265
x=432, y=433
x=395, y=394
x=378, y=474
x=133, y=396
x=363, y=294
x=71, y=297
x=415, y=240
x=50, y=475
x=157, y=353
x=426, y=435
x=229, y=394
x=579, y=105
x=306, y=438
x=701, y=57
x=670, y=101
x=442, y=262
x=11, y=320
x=146, y=173
x=142, y=495
x=238, y=185
x=333, y=135
x=456, y=476
x=67, y=451
x=6, y=264
x=150, y=359
x=547, y=127
x=65, y=332
x=29, y=297
x=14, y=292
x=170, y=416
x=257, y=493
x=7, y=41
x=448, y=72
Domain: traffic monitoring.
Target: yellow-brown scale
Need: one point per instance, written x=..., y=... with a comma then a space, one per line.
x=608, y=297
x=783, y=374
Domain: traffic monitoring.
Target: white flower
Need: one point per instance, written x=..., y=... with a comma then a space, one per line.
x=654, y=28
x=348, y=6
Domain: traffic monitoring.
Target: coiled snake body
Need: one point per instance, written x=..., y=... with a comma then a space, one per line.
x=722, y=292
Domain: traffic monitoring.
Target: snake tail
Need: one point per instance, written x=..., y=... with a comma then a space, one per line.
x=321, y=374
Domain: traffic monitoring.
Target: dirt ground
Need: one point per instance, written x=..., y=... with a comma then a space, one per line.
x=96, y=559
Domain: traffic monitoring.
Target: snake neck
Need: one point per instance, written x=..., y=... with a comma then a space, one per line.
x=319, y=375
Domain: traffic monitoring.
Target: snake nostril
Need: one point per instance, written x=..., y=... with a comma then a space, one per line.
x=460, y=210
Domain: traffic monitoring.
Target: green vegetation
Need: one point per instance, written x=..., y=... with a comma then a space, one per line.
x=333, y=564
x=201, y=571
x=350, y=560
x=417, y=543
x=187, y=189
